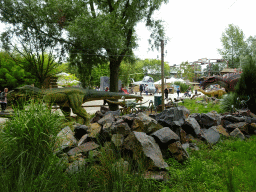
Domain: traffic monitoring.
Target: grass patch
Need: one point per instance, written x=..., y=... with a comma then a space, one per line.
x=195, y=107
x=228, y=166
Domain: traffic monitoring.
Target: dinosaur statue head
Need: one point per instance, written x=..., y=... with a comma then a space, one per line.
x=20, y=95
x=208, y=81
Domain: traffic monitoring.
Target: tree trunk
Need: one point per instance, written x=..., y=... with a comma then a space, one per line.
x=114, y=74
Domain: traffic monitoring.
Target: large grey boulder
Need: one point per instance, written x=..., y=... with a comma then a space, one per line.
x=191, y=126
x=221, y=130
x=197, y=116
x=94, y=130
x=83, y=148
x=108, y=118
x=178, y=151
x=172, y=117
x=243, y=126
x=83, y=140
x=114, y=113
x=76, y=166
x=144, y=123
x=210, y=135
x=121, y=128
x=145, y=147
x=165, y=136
x=233, y=118
x=65, y=140
x=117, y=139
x=98, y=115
x=237, y=133
x=210, y=119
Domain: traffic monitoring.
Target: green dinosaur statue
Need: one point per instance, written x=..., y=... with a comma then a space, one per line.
x=66, y=98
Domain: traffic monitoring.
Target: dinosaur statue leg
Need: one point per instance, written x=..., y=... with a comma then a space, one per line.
x=76, y=102
x=66, y=111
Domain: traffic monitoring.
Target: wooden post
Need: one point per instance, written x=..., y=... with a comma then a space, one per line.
x=162, y=71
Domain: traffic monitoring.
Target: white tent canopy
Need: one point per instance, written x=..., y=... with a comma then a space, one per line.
x=171, y=80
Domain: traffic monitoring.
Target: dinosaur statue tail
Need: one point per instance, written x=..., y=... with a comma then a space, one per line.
x=101, y=95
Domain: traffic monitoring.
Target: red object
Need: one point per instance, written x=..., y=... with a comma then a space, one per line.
x=124, y=90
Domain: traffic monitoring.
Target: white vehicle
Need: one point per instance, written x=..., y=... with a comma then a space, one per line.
x=147, y=80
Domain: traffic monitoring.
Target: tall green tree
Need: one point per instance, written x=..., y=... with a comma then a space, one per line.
x=233, y=44
x=249, y=52
x=105, y=29
x=187, y=71
x=30, y=41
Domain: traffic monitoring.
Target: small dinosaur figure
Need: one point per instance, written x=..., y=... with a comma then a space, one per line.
x=66, y=98
x=214, y=93
x=228, y=83
x=127, y=105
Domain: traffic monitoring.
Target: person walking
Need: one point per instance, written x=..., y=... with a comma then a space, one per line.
x=178, y=91
x=166, y=93
x=141, y=89
x=4, y=99
x=146, y=89
x=104, y=101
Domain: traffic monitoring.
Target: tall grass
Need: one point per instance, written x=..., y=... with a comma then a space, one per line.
x=26, y=145
x=28, y=163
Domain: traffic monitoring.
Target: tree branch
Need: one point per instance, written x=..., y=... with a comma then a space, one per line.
x=111, y=9
x=92, y=9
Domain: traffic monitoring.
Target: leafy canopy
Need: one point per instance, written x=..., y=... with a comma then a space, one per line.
x=233, y=44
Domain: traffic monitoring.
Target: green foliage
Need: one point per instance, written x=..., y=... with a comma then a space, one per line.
x=11, y=74
x=233, y=44
x=246, y=85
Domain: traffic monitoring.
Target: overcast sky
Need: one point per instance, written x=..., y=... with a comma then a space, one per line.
x=194, y=28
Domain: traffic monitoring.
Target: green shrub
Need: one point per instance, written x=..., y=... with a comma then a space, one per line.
x=229, y=102
x=183, y=86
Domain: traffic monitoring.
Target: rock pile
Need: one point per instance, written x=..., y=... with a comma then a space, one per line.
x=151, y=138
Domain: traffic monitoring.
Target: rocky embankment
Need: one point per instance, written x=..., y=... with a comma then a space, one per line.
x=151, y=138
